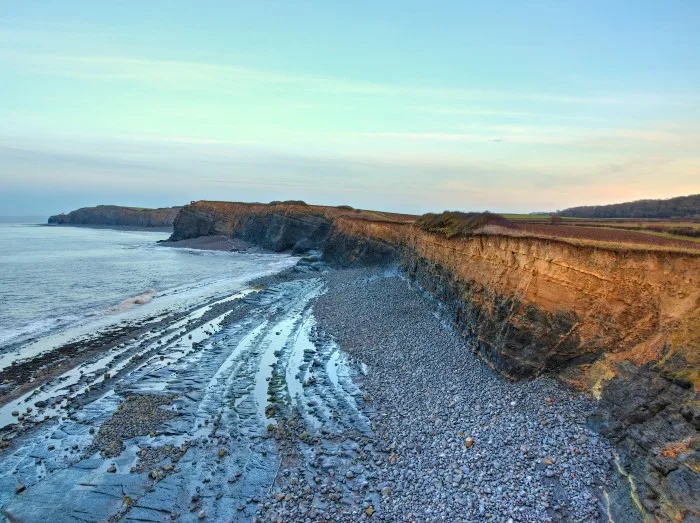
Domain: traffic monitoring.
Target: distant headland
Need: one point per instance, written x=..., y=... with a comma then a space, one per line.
x=118, y=216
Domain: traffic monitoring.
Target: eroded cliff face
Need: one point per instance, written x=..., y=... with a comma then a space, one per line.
x=617, y=322
x=530, y=305
x=623, y=324
x=117, y=216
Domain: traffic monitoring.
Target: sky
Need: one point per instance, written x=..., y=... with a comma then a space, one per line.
x=395, y=105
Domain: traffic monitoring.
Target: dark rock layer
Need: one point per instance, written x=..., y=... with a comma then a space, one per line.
x=282, y=231
x=285, y=232
x=538, y=341
x=654, y=423
x=188, y=224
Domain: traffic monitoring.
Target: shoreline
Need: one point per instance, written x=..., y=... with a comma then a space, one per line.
x=313, y=381
x=208, y=243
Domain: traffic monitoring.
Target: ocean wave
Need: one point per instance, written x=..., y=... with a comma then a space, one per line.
x=35, y=329
x=129, y=303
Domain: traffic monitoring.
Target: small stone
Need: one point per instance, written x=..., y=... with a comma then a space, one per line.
x=469, y=442
x=369, y=510
x=222, y=453
x=202, y=514
x=20, y=487
x=112, y=469
x=51, y=447
x=15, y=413
x=349, y=474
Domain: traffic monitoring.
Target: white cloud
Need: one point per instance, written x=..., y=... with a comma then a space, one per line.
x=209, y=76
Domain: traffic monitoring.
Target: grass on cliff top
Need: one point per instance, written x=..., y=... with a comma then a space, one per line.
x=454, y=223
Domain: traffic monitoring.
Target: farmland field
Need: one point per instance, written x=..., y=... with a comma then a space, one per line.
x=673, y=233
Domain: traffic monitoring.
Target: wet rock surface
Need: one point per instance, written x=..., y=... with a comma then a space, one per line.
x=327, y=396
x=654, y=424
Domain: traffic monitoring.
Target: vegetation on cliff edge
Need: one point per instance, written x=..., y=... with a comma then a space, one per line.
x=454, y=223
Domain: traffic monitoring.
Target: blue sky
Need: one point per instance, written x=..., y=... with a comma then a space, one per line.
x=406, y=106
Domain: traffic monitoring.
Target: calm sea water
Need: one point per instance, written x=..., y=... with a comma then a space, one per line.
x=54, y=279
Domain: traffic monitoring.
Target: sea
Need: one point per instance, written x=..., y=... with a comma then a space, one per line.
x=60, y=282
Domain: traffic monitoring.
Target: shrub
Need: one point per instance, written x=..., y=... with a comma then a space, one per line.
x=454, y=223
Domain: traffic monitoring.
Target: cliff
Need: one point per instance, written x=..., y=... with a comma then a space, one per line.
x=622, y=322
x=116, y=216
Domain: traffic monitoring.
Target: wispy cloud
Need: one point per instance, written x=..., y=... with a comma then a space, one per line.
x=220, y=77
x=545, y=135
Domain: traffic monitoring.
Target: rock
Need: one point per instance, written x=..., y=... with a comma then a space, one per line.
x=15, y=413
x=222, y=453
x=20, y=487
x=370, y=510
x=202, y=514
x=469, y=442
x=112, y=469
